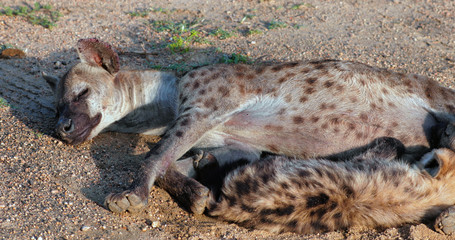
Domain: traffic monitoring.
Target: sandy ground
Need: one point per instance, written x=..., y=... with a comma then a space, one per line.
x=50, y=190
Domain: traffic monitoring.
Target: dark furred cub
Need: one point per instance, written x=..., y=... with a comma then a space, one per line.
x=281, y=194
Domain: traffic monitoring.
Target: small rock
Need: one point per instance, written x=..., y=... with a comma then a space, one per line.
x=156, y=224
x=85, y=228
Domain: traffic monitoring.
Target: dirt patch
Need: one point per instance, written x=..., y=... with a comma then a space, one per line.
x=52, y=190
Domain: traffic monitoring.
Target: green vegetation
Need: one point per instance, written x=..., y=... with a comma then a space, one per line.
x=4, y=103
x=139, y=13
x=42, y=15
x=276, y=24
x=235, y=58
x=254, y=32
x=146, y=12
x=181, y=43
x=302, y=5
x=222, y=34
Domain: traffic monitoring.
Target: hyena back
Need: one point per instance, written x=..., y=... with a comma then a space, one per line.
x=301, y=109
x=281, y=194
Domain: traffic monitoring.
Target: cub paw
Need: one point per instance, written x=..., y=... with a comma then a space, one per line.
x=125, y=201
x=445, y=222
x=199, y=198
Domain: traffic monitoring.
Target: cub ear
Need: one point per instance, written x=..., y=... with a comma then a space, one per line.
x=51, y=80
x=99, y=54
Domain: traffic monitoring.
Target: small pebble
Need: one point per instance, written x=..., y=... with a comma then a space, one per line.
x=85, y=228
x=156, y=224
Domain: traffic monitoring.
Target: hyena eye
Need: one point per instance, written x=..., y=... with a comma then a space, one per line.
x=81, y=95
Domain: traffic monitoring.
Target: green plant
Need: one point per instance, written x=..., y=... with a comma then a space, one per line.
x=254, y=32
x=4, y=103
x=42, y=15
x=235, y=58
x=139, y=13
x=222, y=34
x=175, y=28
x=276, y=24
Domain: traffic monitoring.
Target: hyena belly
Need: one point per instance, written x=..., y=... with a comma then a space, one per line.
x=322, y=108
x=280, y=194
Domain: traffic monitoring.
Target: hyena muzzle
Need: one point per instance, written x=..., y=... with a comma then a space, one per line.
x=298, y=109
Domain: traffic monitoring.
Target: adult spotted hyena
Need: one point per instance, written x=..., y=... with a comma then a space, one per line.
x=298, y=109
x=308, y=196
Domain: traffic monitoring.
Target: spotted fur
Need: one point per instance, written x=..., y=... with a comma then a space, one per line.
x=281, y=194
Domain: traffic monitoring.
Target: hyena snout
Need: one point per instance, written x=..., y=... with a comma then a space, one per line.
x=65, y=126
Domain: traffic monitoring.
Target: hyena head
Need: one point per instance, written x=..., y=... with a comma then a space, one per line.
x=85, y=95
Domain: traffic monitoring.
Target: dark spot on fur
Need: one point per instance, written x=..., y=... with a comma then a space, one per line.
x=240, y=74
x=337, y=215
x=224, y=91
x=303, y=173
x=348, y=191
x=319, y=227
x=250, y=76
x=179, y=134
x=282, y=79
x=196, y=84
x=260, y=70
x=363, y=117
x=351, y=126
x=277, y=68
x=185, y=122
x=247, y=209
x=340, y=88
x=314, y=201
x=305, y=70
x=284, y=185
x=328, y=84
x=319, y=212
x=311, y=80
x=243, y=187
x=310, y=90
x=314, y=119
x=283, y=211
x=298, y=119
x=192, y=74
x=202, y=92
x=335, y=121
x=303, y=99
x=183, y=101
x=323, y=106
x=385, y=91
x=292, y=224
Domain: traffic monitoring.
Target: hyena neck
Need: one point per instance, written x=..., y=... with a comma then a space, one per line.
x=147, y=102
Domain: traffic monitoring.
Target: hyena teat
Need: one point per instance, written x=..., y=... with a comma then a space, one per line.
x=282, y=194
x=301, y=109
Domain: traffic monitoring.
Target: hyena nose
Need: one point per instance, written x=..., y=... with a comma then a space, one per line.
x=65, y=126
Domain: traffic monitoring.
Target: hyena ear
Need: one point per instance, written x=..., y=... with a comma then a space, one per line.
x=439, y=162
x=51, y=80
x=99, y=54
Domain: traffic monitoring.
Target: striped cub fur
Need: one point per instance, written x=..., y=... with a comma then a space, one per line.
x=280, y=194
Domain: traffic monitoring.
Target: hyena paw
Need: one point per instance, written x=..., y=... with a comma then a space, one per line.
x=199, y=198
x=125, y=201
x=445, y=222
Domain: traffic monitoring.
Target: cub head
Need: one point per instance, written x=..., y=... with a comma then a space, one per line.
x=86, y=95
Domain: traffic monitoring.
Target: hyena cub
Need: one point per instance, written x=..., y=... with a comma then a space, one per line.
x=281, y=194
